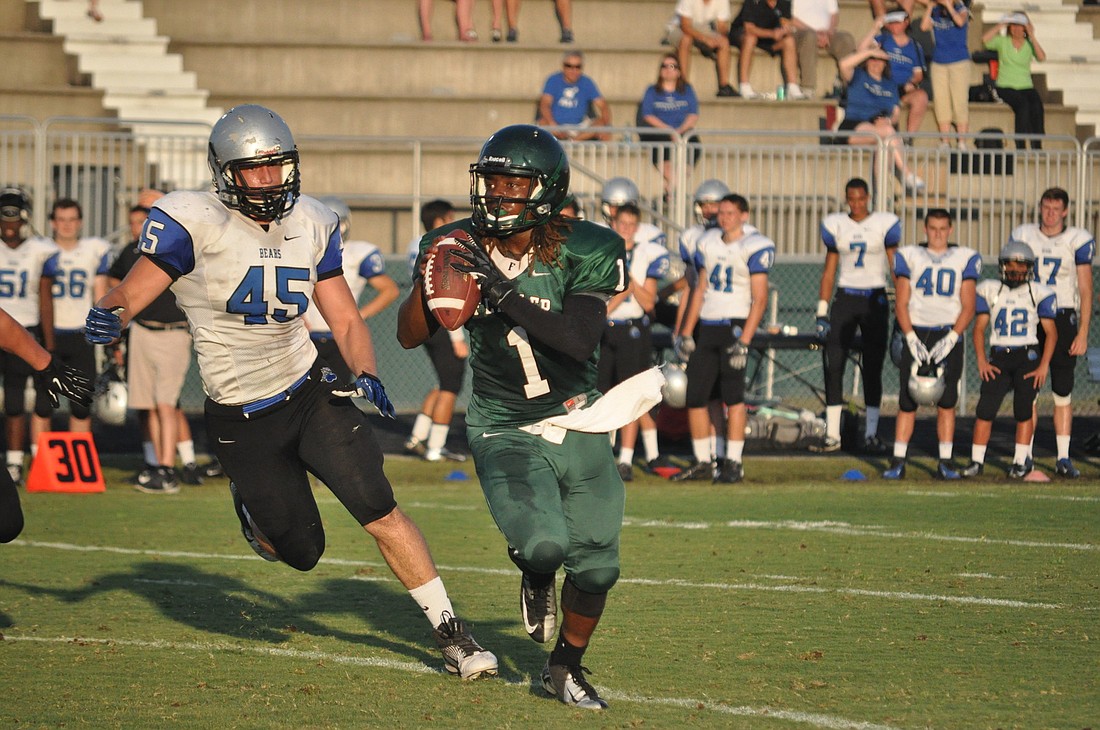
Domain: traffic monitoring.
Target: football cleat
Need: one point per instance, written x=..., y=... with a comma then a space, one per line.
x=973, y=469
x=947, y=470
x=416, y=447
x=191, y=474
x=213, y=469
x=461, y=654
x=441, y=454
x=569, y=685
x=825, y=445
x=697, y=471
x=256, y=539
x=1063, y=468
x=145, y=475
x=538, y=603
x=626, y=472
x=661, y=462
x=1019, y=471
x=896, y=469
x=873, y=445
x=15, y=471
x=729, y=472
x=163, y=481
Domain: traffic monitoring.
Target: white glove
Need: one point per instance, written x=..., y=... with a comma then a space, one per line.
x=943, y=348
x=684, y=346
x=917, y=348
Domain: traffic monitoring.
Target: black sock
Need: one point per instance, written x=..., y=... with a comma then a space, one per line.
x=566, y=654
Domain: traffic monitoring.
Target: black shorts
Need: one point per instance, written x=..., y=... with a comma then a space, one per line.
x=625, y=350
x=1013, y=363
x=1062, y=363
x=767, y=45
x=71, y=348
x=270, y=454
x=15, y=371
x=710, y=364
x=450, y=369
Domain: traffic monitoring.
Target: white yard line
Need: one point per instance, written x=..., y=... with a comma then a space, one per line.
x=814, y=719
x=994, y=495
x=890, y=595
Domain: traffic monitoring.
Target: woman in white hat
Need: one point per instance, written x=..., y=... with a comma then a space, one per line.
x=1013, y=38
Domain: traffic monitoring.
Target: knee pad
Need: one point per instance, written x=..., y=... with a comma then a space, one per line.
x=582, y=602
x=300, y=552
x=596, y=580
x=1063, y=400
x=546, y=557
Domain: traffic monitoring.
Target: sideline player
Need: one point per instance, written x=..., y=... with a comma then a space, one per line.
x=728, y=305
x=52, y=378
x=1063, y=261
x=859, y=255
x=245, y=263
x=1018, y=308
x=25, y=294
x=537, y=425
x=620, y=191
x=936, y=281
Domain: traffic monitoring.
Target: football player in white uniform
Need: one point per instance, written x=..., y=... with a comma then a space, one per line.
x=1018, y=308
x=26, y=293
x=448, y=352
x=245, y=263
x=1063, y=261
x=626, y=348
x=620, y=191
x=728, y=306
x=363, y=265
x=859, y=259
x=79, y=272
x=936, y=282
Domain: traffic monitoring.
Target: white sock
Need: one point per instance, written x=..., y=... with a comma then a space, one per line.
x=832, y=421
x=735, y=450
x=977, y=453
x=437, y=436
x=186, y=450
x=946, y=449
x=871, y=427
x=34, y=451
x=701, y=449
x=1063, y=446
x=149, y=451
x=649, y=440
x=433, y=601
x=15, y=458
x=421, y=426
x=626, y=456
x=901, y=448
x=1022, y=453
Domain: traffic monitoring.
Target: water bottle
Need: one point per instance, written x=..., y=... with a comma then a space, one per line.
x=781, y=92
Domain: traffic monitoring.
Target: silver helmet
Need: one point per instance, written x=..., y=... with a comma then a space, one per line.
x=342, y=211
x=1020, y=252
x=926, y=384
x=247, y=137
x=617, y=191
x=674, y=391
x=111, y=399
x=709, y=191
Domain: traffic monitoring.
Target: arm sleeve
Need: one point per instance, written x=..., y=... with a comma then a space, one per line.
x=575, y=331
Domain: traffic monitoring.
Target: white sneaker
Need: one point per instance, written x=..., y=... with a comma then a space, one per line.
x=461, y=654
x=569, y=686
x=747, y=92
x=795, y=93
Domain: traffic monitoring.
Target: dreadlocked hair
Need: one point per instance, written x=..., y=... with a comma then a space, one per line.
x=546, y=240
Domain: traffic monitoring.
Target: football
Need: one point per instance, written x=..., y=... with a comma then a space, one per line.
x=452, y=296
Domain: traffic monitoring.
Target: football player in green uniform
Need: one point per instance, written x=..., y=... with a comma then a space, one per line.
x=553, y=490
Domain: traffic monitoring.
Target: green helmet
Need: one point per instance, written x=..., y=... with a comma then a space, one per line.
x=524, y=151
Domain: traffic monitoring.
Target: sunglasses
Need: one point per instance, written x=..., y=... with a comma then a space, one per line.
x=572, y=65
x=670, y=65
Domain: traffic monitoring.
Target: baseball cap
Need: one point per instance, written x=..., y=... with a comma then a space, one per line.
x=13, y=203
x=895, y=16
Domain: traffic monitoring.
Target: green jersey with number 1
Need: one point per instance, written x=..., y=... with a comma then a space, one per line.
x=516, y=378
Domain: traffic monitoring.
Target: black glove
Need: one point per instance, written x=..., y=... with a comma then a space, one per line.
x=494, y=287
x=60, y=379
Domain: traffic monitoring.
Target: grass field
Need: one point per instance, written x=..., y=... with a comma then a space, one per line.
x=794, y=600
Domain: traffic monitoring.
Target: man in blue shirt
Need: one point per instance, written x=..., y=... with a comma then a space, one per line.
x=569, y=98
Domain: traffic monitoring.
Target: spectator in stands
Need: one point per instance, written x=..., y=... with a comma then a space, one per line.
x=859, y=260
x=158, y=358
x=448, y=352
x=949, y=21
x=569, y=99
x=766, y=24
x=728, y=313
x=23, y=258
x=626, y=348
x=464, y=19
x=669, y=104
x=873, y=107
x=815, y=23
x=906, y=63
x=1013, y=38
x=563, y=9
x=935, y=304
x=79, y=271
x=704, y=24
